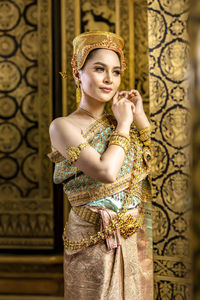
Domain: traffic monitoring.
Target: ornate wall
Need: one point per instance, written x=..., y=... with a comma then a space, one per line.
x=194, y=34
x=26, y=195
x=169, y=104
x=26, y=201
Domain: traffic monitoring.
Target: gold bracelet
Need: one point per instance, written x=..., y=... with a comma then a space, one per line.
x=74, y=152
x=147, y=143
x=120, y=141
x=121, y=133
x=145, y=134
x=146, y=129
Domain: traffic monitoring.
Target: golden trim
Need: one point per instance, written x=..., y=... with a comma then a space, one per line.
x=87, y=214
x=100, y=123
x=100, y=192
x=85, y=197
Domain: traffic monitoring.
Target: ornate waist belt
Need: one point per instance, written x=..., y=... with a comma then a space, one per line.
x=87, y=214
x=124, y=224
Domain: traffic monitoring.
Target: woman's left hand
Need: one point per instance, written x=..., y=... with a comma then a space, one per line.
x=135, y=97
x=139, y=116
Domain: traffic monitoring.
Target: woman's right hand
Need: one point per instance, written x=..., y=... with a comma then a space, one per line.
x=123, y=110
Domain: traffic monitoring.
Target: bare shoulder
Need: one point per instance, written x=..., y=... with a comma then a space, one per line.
x=63, y=123
x=62, y=129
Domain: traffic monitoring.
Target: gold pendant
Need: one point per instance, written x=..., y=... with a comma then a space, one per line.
x=129, y=227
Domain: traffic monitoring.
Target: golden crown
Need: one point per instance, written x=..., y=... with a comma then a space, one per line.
x=85, y=42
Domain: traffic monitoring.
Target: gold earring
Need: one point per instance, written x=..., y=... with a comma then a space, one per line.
x=78, y=93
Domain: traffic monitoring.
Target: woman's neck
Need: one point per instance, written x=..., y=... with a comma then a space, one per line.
x=93, y=106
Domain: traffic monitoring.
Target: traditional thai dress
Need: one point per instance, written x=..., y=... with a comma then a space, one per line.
x=115, y=268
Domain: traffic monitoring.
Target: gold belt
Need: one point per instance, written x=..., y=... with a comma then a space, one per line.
x=127, y=225
x=87, y=214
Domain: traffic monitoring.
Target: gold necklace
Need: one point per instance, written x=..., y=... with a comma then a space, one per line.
x=91, y=115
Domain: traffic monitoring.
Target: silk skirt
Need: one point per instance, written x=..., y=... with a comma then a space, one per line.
x=115, y=269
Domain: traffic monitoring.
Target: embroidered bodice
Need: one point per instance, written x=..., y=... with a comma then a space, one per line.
x=82, y=189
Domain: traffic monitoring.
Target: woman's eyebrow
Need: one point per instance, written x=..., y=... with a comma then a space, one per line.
x=104, y=65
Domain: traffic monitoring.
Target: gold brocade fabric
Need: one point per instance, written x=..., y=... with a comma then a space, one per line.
x=123, y=273
x=82, y=189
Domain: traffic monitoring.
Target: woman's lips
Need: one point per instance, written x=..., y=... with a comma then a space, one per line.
x=106, y=90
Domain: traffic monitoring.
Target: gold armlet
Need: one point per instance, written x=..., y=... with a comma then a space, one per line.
x=120, y=139
x=74, y=152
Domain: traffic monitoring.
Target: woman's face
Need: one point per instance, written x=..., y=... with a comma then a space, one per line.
x=101, y=75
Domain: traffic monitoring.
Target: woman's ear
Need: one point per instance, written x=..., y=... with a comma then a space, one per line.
x=76, y=75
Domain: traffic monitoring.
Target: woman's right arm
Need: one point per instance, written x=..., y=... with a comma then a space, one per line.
x=105, y=167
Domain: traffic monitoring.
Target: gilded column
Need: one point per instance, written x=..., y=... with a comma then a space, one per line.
x=169, y=109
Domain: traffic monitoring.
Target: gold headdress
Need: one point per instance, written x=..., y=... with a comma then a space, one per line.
x=85, y=42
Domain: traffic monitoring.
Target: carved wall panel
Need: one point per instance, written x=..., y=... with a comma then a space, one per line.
x=194, y=34
x=26, y=202
x=169, y=111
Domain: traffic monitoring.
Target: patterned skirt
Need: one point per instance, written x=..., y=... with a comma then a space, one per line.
x=122, y=271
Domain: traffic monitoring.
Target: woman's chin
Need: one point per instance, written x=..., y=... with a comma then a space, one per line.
x=102, y=98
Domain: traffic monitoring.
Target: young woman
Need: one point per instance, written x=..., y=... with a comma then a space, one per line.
x=102, y=160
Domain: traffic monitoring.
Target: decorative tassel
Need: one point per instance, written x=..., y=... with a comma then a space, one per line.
x=78, y=93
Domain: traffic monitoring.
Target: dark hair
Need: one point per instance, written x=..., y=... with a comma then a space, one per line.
x=90, y=55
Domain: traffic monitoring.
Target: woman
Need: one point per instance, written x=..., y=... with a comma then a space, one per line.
x=103, y=163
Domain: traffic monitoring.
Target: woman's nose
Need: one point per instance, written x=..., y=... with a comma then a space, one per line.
x=108, y=77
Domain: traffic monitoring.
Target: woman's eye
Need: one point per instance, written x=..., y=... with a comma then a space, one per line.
x=117, y=72
x=99, y=69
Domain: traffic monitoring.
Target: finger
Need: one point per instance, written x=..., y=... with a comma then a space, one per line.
x=115, y=98
x=123, y=93
x=135, y=92
x=133, y=107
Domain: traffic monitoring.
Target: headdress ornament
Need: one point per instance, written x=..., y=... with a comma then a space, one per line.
x=85, y=42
